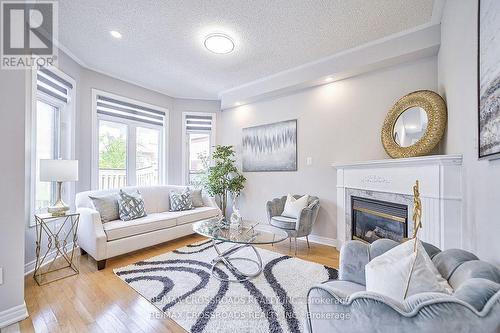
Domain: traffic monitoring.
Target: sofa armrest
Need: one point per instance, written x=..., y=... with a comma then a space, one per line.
x=209, y=201
x=91, y=235
x=306, y=219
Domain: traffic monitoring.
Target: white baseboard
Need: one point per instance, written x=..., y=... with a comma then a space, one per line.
x=323, y=240
x=29, y=267
x=13, y=315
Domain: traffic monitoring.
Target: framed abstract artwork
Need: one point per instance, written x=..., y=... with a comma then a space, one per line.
x=271, y=147
x=489, y=79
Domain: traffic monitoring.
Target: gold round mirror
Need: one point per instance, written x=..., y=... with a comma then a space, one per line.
x=415, y=125
x=410, y=126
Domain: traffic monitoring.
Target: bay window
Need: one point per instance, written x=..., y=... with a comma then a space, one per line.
x=46, y=146
x=199, y=140
x=51, y=136
x=130, y=144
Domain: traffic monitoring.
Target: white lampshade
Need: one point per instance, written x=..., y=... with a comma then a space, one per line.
x=58, y=170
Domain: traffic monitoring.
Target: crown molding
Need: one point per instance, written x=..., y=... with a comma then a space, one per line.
x=411, y=45
x=70, y=54
x=270, y=86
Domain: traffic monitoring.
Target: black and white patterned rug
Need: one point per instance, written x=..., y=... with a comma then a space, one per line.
x=180, y=284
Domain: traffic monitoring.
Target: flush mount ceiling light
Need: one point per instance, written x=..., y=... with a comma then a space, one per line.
x=219, y=43
x=115, y=34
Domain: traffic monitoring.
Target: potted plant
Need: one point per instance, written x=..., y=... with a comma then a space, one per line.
x=223, y=178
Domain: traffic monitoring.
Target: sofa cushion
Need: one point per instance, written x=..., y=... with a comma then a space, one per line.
x=447, y=261
x=284, y=222
x=474, y=269
x=477, y=292
x=121, y=229
x=156, y=198
x=196, y=214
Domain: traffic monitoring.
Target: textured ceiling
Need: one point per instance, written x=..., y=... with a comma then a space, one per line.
x=162, y=44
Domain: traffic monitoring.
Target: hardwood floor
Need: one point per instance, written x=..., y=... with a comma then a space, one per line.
x=97, y=301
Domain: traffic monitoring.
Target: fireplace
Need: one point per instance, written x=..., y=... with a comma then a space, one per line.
x=375, y=219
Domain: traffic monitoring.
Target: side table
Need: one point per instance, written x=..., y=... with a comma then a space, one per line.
x=59, y=232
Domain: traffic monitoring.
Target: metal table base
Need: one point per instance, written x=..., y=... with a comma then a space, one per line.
x=224, y=257
x=58, y=240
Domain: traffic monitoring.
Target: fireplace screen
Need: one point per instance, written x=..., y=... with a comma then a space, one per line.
x=373, y=219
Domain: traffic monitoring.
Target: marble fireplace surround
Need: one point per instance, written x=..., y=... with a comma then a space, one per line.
x=392, y=181
x=403, y=199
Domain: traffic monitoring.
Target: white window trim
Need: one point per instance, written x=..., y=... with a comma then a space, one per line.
x=68, y=151
x=185, y=160
x=94, y=180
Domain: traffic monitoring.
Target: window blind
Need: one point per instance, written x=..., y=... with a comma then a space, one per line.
x=121, y=109
x=53, y=85
x=198, y=122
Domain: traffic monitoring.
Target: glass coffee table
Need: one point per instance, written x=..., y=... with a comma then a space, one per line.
x=245, y=235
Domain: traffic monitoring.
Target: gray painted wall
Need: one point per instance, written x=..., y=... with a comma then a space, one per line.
x=12, y=195
x=338, y=122
x=457, y=62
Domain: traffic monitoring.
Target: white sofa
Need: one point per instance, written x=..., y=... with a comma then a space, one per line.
x=106, y=240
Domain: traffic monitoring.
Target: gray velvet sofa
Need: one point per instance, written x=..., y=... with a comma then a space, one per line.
x=344, y=305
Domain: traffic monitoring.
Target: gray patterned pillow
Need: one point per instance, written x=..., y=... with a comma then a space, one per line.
x=180, y=201
x=131, y=206
x=107, y=206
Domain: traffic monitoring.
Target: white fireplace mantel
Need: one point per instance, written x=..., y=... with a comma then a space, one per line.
x=392, y=180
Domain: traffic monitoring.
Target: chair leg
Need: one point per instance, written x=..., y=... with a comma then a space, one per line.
x=307, y=239
x=274, y=237
x=290, y=244
x=295, y=245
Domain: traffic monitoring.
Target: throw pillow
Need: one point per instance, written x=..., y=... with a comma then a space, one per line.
x=402, y=272
x=107, y=206
x=131, y=206
x=293, y=206
x=197, y=198
x=180, y=201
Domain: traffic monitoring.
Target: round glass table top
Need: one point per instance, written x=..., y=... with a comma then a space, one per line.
x=245, y=233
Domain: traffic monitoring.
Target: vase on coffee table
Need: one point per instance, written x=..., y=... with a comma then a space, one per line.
x=235, y=219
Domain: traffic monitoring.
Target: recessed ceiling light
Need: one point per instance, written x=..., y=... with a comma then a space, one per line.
x=115, y=34
x=219, y=43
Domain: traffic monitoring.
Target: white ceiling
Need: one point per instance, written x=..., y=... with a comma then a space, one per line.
x=162, y=45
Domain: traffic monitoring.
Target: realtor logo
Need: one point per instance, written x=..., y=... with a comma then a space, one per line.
x=28, y=31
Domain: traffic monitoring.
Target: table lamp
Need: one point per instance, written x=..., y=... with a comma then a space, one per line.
x=58, y=171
